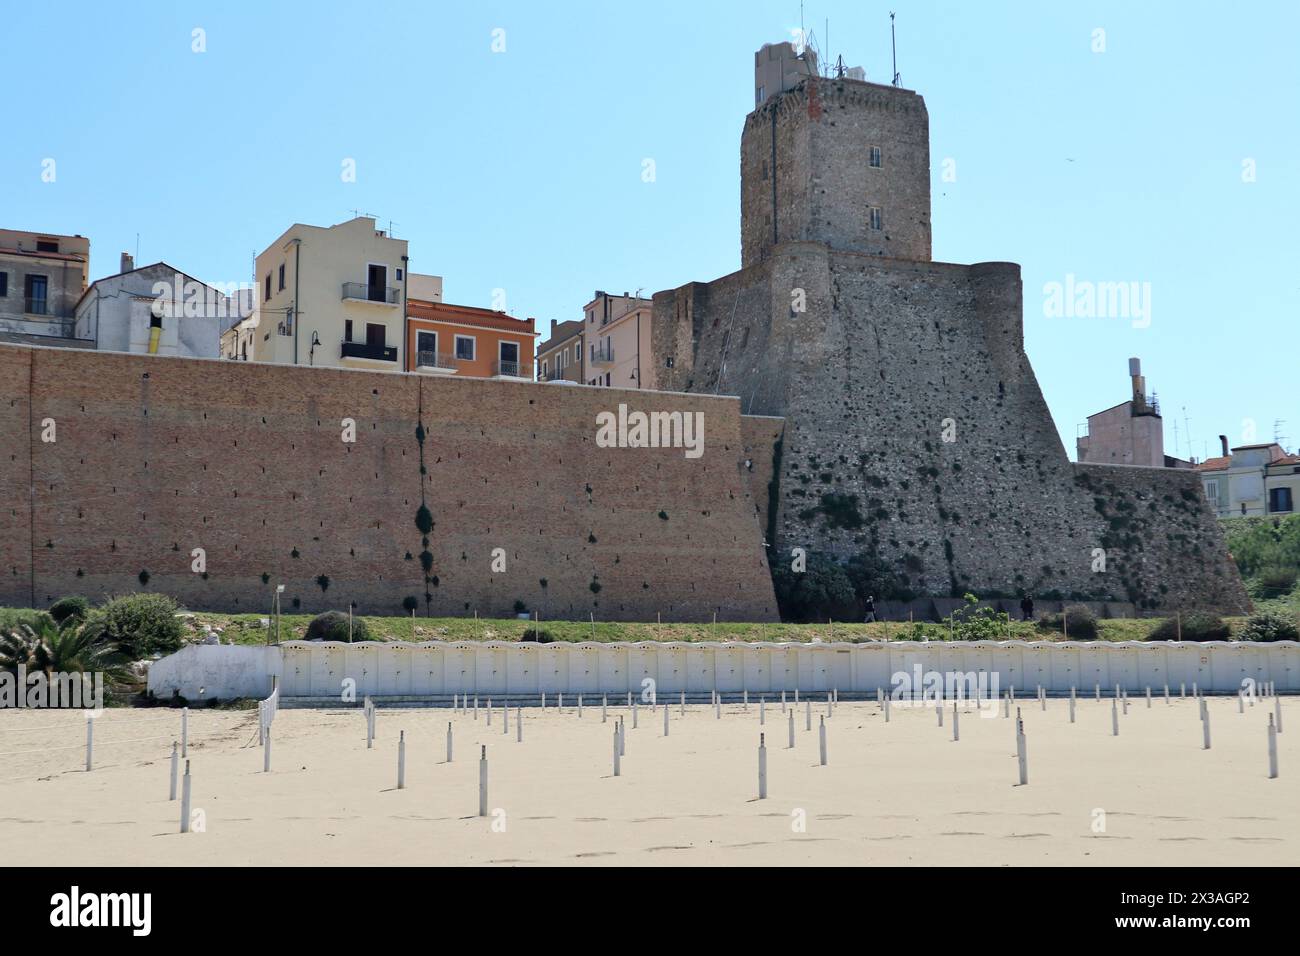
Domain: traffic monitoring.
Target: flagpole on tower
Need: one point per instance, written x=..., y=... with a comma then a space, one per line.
x=893, y=43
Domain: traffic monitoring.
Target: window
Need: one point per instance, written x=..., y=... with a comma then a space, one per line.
x=374, y=334
x=465, y=348
x=1279, y=499
x=545, y=368
x=347, y=330
x=874, y=157
x=577, y=352
x=758, y=100
x=4, y=285
x=508, y=352
x=426, y=343
x=606, y=378
x=34, y=290
x=1212, y=490
x=47, y=245
x=266, y=292
x=874, y=214
x=281, y=275
x=399, y=275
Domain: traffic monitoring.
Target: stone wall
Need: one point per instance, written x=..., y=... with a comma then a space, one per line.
x=805, y=162
x=916, y=434
x=154, y=457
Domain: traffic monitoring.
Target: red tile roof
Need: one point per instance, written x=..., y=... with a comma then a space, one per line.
x=467, y=315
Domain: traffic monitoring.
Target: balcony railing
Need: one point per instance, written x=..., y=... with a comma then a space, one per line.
x=602, y=354
x=54, y=327
x=435, y=360
x=363, y=292
x=364, y=350
x=33, y=306
x=511, y=369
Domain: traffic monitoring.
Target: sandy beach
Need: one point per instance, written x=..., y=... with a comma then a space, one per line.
x=897, y=793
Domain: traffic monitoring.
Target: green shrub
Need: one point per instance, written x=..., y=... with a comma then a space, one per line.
x=1196, y=626
x=1259, y=543
x=820, y=592
x=1270, y=626
x=1274, y=581
x=534, y=634
x=973, y=622
x=1080, y=623
x=333, y=626
x=73, y=607
x=410, y=603
x=142, y=624
x=13, y=619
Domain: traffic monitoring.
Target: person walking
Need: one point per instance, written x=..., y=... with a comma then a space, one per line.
x=1026, y=608
x=871, y=609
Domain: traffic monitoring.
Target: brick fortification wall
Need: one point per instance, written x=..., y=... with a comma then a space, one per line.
x=154, y=457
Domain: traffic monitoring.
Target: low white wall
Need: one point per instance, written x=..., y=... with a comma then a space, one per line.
x=224, y=671
x=499, y=669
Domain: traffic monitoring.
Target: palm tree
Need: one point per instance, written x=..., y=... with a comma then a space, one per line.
x=71, y=649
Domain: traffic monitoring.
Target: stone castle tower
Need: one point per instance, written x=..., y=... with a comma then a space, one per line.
x=915, y=433
x=813, y=168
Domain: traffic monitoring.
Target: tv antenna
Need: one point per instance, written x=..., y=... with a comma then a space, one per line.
x=893, y=43
x=1278, y=435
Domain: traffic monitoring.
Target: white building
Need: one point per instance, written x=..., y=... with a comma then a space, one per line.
x=1252, y=480
x=334, y=296
x=157, y=310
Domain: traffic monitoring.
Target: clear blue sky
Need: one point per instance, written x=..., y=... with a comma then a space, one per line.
x=522, y=170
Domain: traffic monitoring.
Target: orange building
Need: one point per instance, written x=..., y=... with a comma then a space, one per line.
x=444, y=339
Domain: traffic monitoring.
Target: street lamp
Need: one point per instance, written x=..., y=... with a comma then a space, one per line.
x=279, y=589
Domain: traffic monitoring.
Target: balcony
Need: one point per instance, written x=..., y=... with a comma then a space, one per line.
x=364, y=350
x=602, y=354
x=363, y=292
x=439, y=363
x=503, y=369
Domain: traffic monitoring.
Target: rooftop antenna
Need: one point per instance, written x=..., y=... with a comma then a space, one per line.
x=1188, y=423
x=1278, y=435
x=893, y=43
